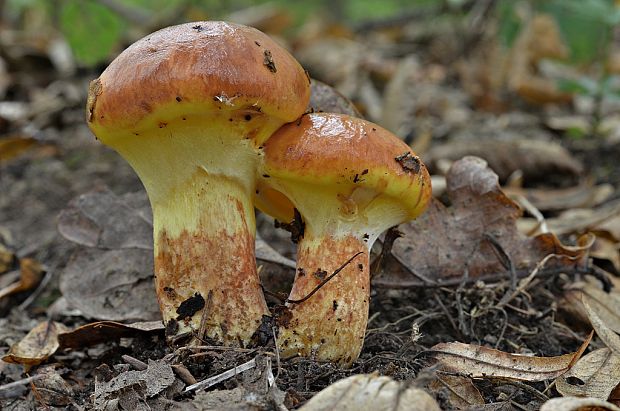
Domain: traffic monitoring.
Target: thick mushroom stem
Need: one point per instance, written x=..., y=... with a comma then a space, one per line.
x=331, y=323
x=200, y=189
x=209, y=270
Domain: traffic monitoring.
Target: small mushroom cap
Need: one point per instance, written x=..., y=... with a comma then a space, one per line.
x=358, y=159
x=192, y=69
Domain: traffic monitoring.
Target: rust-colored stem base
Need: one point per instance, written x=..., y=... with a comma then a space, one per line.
x=206, y=278
x=331, y=324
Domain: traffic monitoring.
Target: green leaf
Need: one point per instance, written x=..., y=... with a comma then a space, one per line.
x=92, y=30
x=509, y=22
x=585, y=25
x=583, y=85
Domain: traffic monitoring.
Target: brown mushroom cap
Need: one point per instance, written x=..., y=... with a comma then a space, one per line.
x=193, y=68
x=357, y=159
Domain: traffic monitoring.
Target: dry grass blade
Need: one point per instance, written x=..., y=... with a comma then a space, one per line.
x=222, y=377
x=477, y=362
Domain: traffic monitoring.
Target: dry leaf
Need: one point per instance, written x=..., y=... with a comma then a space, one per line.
x=140, y=384
x=578, y=404
x=460, y=390
x=7, y=259
x=583, y=195
x=538, y=160
x=30, y=275
x=597, y=374
x=604, y=332
x=477, y=361
x=112, y=285
x=605, y=305
x=51, y=388
x=102, y=219
x=102, y=331
x=37, y=346
x=605, y=218
x=446, y=241
x=12, y=147
x=370, y=392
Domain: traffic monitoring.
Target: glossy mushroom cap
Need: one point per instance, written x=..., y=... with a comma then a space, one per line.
x=361, y=165
x=181, y=72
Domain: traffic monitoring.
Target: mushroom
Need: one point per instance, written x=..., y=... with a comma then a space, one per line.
x=187, y=107
x=350, y=180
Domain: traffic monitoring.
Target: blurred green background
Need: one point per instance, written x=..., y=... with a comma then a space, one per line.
x=98, y=29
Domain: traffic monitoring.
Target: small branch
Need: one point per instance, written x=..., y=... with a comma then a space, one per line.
x=318, y=287
x=18, y=383
x=222, y=377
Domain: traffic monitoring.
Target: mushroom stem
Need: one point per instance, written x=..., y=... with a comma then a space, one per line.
x=331, y=324
x=203, y=228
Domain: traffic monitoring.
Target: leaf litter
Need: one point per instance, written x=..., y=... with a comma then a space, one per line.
x=508, y=304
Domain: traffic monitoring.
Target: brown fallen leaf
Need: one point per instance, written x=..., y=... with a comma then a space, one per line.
x=461, y=392
x=605, y=305
x=578, y=404
x=583, y=195
x=538, y=160
x=603, y=330
x=37, y=346
x=7, y=259
x=12, y=147
x=112, y=285
x=102, y=331
x=471, y=235
x=596, y=375
x=30, y=275
x=477, y=361
x=371, y=392
x=605, y=218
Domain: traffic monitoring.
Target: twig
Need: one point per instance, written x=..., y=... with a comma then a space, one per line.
x=508, y=297
x=223, y=376
x=391, y=235
x=318, y=287
x=18, y=383
x=134, y=362
x=459, y=304
x=505, y=260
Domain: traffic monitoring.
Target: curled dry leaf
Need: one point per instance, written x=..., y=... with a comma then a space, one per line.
x=597, y=374
x=460, y=391
x=30, y=275
x=578, y=404
x=477, y=362
x=371, y=392
x=444, y=242
x=102, y=331
x=37, y=346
